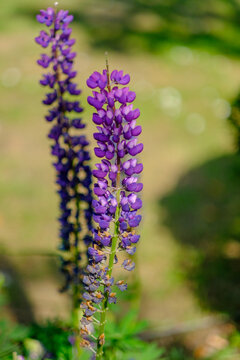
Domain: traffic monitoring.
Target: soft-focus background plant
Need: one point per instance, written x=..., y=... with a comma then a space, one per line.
x=183, y=57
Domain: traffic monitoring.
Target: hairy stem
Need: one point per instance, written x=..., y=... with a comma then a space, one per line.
x=76, y=318
x=115, y=238
x=114, y=246
x=76, y=286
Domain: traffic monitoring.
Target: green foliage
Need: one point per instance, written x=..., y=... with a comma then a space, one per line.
x=54, y=337
x=11, y=336
x=225, y=354
x=122, y=342
x=177, y=354
x=51, y=340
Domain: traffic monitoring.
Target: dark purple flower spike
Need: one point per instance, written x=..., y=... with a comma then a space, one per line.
x=69, y=146
x=117, y=194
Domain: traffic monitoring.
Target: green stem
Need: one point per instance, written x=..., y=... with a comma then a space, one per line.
x=76, y=287
x=76, y=318
x=75, y=321
x=115, y=237
x=100, y=342
x=99, y=355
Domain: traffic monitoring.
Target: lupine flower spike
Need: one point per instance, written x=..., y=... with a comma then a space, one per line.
x=117, y=202
x=69, y=146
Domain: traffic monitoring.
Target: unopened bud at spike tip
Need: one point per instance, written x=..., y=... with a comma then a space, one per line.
x=106, y=59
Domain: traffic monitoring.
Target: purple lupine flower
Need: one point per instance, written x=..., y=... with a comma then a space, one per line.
x=117, y=192
x=73, y=174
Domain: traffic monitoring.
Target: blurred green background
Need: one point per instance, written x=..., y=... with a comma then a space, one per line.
x=183, y=57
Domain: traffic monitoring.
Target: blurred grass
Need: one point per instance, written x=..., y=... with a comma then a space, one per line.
x=150, y=25
x=183, y=93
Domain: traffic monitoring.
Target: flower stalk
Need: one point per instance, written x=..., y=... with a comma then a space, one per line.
x=116, y=206
x=69, y=147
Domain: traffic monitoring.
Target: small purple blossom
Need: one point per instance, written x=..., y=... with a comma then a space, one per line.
x=69, y=147
x=46, y=16
x=118, y=78
x=72, y=339
x=97, y=80
x=43, y=39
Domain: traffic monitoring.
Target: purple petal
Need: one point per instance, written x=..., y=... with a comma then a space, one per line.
x=94, y=102
x=99, y=174
x=136, y=149
x=125, y=80
x=137, y=130
x=135, y=238
x=91, y=83
x=100, y=137
x=131, y=96
x=137, y=204
x=138, y=168
x=96, y=119
x=135, y=221
x=128, y=265
x=99, y=153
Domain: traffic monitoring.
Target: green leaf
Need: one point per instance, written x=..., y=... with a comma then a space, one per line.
x=147, y=352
